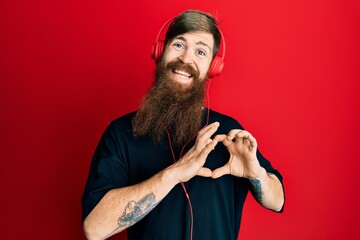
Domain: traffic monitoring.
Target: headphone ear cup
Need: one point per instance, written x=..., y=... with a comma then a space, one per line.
x=157, y=50
x=216, y=66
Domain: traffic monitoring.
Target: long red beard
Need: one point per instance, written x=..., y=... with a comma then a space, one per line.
x=168, y=106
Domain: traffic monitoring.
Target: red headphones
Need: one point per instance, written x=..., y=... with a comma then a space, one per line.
x=217, y=63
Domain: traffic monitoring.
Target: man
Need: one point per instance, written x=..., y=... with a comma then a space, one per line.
x=174, y=169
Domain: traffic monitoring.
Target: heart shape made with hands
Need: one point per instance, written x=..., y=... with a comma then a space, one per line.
x=242, y=162
x=242, y=147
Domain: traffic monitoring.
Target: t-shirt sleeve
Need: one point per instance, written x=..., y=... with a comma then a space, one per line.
x=267, y=165
x=108, y=170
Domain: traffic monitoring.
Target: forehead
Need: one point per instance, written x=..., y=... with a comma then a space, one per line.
x=198, y=38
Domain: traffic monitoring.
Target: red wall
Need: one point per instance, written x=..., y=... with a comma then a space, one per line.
x=291, y=77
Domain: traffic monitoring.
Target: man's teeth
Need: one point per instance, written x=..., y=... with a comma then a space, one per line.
x=182, y=73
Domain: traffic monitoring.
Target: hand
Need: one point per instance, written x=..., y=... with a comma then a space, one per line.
x=243, y=162
x=191, y=164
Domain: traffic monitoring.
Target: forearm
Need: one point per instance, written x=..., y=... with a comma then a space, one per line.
x=268, y=190
x=121, y=208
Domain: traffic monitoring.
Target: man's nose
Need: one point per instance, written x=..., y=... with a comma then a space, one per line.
x=187, y=57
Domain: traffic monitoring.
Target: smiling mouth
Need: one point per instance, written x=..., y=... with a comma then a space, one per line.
x=181, y=73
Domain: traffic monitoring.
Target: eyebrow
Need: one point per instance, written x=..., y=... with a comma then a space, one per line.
x=197, y=43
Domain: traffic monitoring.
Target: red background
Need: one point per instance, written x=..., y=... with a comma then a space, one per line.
x=291, y=77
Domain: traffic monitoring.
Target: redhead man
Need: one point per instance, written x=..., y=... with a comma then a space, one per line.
x=175, y=169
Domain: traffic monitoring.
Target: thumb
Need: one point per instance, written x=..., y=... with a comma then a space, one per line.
x=221, y=171
x=204, y=172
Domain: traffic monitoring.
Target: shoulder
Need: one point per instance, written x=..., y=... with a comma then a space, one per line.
x=124, y=120
x=120, y=126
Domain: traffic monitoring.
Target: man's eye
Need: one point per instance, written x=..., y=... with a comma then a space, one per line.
x=178, y=45
x=201, y=52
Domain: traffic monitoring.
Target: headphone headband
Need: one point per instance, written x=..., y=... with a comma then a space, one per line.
x=217, y=63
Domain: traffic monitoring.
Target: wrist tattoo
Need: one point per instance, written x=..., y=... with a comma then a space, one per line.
x=256, y=184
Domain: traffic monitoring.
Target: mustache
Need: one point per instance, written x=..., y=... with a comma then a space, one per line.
x=179, y=65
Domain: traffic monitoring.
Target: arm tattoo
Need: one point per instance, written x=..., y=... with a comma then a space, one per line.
x=135, y=211
x=256, y=184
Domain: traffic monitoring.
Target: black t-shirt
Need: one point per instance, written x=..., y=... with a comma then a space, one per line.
x=121, y=160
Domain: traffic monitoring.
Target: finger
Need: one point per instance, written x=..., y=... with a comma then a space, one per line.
x=227, y=142
x=220, y=137
x=231, y=135
x=221, y=171
x=207, y=149
x=223, y=138
x=204, y=172
x=242, y=134
x=253, y=143
x=244, y=139
x=206, y=128
x=204, y=136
